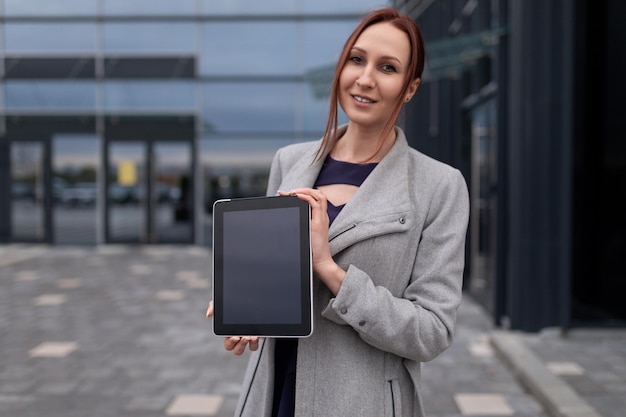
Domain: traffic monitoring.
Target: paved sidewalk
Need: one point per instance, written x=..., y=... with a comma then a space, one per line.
x=120, y=331
x=578, y=374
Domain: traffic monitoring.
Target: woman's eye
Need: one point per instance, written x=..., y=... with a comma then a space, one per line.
x=388, y=68
x=356, y=59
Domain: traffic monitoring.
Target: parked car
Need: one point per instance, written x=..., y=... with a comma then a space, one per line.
x=80, y=194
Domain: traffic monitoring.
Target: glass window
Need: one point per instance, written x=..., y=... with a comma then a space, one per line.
x=260, y=48
x=323, y=41
x=249, y=48
x=50, y=38
x=314, y=111
x=149, y=7
x=78, y=96
x=148, y=38
x=221, y=153
x=50, y=8
x=175, y=96
x=249, y=7
x=344, y=6
x=249, y=107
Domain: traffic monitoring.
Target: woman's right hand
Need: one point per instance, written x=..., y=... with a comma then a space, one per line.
x=236, y=344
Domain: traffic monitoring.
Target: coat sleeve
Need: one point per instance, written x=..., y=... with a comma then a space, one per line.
x=420, y=324
x=275, y=176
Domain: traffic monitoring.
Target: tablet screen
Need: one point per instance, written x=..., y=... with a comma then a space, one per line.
x=262, y=269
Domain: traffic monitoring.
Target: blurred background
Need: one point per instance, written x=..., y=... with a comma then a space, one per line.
x=123, y=121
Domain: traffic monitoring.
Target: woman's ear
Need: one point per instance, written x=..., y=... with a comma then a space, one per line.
x=413, y=86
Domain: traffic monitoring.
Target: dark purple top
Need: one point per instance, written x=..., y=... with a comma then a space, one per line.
x=285, y=354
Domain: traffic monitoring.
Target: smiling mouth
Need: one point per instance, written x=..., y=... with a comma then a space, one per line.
x=362, y=99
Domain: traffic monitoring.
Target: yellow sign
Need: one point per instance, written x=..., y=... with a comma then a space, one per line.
x=127, y=173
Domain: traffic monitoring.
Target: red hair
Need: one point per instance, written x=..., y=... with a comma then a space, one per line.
x=416, y=67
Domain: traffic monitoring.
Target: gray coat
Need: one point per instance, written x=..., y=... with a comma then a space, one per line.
x=401, y=239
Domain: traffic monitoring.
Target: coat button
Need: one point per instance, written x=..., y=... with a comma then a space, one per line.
x=362, y=323
x=402, y=221
x=344, y=310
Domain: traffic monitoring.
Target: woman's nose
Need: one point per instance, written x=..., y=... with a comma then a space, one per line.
x=366, y=79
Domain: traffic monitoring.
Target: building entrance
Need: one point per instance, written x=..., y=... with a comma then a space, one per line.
x=149, y=191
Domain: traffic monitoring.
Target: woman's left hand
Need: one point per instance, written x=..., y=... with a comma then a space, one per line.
x=323, y=264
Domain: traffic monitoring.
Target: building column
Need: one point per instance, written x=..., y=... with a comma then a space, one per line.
x=539, y=161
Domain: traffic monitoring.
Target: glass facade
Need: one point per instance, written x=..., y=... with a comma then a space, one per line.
x=171, y=104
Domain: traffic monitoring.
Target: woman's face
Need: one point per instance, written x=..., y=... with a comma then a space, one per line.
x=371, y=81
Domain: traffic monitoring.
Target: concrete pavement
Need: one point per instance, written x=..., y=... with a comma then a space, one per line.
x=120, y=331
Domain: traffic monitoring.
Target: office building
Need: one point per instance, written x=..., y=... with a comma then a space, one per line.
x=122, y=121
x=527, y=99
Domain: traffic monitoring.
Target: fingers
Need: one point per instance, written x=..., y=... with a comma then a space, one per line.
x=237, y=344
x=254, y=343
x=309, y=194
x=316, y=199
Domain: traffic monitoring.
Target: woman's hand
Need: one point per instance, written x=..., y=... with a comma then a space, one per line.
x=323, y=264
x=236, y=344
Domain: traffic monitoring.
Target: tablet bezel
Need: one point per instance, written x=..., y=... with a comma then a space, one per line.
x=305, y=327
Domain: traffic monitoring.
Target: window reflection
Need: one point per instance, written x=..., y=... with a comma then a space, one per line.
x=50, y=8
x=145, y=38
x=173, y=96
x=235, y=48
x=282, y=7
x=322, y=42
x=50, y=38
x=149, y=7
x=249, y=107
x=79, y=96
x=276, y=48
x=337, y=7
x=251, y=7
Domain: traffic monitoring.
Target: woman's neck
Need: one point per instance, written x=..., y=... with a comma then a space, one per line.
x=360, y=145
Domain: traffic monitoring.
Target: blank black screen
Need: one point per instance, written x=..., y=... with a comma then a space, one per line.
x=261, y=267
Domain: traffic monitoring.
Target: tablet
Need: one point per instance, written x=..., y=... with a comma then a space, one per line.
x=262, y=271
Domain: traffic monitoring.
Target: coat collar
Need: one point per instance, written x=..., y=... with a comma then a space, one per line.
x=383, y=193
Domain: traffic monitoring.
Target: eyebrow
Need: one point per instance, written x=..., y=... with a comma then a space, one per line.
x=384, y=56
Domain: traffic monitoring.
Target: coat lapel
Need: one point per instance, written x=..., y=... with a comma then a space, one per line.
x=380, y=201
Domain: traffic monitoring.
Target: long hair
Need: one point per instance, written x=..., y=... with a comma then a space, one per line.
x=416, y=67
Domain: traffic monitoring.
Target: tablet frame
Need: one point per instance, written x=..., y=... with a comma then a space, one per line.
x=305, y=327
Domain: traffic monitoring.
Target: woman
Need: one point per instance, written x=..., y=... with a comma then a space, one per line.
x=388, y=231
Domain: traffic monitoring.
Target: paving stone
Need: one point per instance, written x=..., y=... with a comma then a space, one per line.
x=195, y=405
x=69, y=283
x=565, y=368
x=483, y=404
x=53, y=350
x=135, y=354
x=50, y=300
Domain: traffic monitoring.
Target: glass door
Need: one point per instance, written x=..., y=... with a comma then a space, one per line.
x=172, y=203
x=150, y=192
x=126, y=193
x=28, y=208
x=75, y=167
